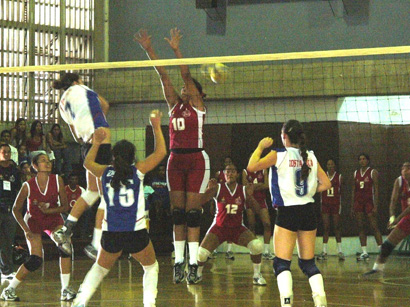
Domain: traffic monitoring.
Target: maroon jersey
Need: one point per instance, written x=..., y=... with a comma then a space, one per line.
x=185, y=126
x=35, y=196
x=229, y=206
x=363, y=185
x=221, y=177
x=257, y=177
x=404, y=193
x=332, y=196
x=73, y=195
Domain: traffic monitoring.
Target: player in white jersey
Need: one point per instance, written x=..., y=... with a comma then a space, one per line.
x=84, y=111
x=124, y=224
x=295, y=176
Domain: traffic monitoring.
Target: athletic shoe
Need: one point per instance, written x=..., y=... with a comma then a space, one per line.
x=212, y=255
x=372, y=275
x=179, y=272
x=341, y=256
x=363, y=257
x=60, y=236
x=66, y=248
x=229, y=255
x=68, y=294
x=268, y=256
x=8, y=276
x=9, y=294
x=259, y=280
x=91, y=252
x=322, y=256
x=192, y=277
x=320, y=300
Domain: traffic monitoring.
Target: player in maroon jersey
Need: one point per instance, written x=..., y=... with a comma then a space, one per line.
x=188, y=164
x=365, y=201
x=399, y=224
x=228, y=222
x=260, y=183
x=43, y=215
x=332, y=206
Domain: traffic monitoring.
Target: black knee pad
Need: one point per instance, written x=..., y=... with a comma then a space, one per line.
x=280, y=265
x=193, y=218
x=308, y=267
x=33, y=263
x=178, y=216
x=386, y=249
x=63, y=254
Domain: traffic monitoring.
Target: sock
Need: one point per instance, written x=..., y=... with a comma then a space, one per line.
x=193, y=252
x=150, y=283
x=179, y=251
x=325, y=248
x=14, y=283
x=266, y=248
x=72, y=218
x=69, y=224
x=316, y=284
x=200, y=269
x=229, y=247
x=256, y=269
x=378, y=266
x=91, y=282
x=96, y=242
x=65, y=280
x=364, y=249
x=285, y=284
x=339, y=247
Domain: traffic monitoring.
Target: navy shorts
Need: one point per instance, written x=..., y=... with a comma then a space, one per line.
x=300, y=217
x=126, y=241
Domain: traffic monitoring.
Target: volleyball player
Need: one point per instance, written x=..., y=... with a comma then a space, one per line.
x=365, y=197
x=331, y=205
x=124, y=222
x=188, y=163
x=43, y=215
x=399, y=224
x=84, y=111
x=295, y=176
x=260, y=183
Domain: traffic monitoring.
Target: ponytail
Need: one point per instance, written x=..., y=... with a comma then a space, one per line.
x=123, y=154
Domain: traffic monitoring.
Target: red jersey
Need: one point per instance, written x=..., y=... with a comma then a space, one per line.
x=221, y=177
x=363, y=185
x=73, y=195
x=404, y=193
x=185, y=126
x=230, y=206
x=35, y=196
x=332, y=196
x=257, y=177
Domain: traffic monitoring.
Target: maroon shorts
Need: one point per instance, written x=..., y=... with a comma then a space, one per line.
x=188, y=172
x=404, y=225
x=47, y=225
x=227, y=234
x=365, y=207
x=331, y=209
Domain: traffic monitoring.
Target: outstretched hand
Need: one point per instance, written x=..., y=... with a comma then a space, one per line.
x=265, y=143
x=175, y=38
x=143, y=39
x=155, y=118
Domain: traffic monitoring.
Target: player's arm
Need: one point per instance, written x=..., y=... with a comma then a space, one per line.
x=256, y=163
x=375, y=177
x=105, y=106
x=250, y=200
x=323, y=179
x=394, y=197
x=245, y=181
x=89, y=162
x=401, y=215
x=210, y=192
x=262, y=185
x=63, y=200
x=170, y=94
x=160, y=150
x=18, y=207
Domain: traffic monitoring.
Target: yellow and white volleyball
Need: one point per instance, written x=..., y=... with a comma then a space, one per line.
x=218, y=73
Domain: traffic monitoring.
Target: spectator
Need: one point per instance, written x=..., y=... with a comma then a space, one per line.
x=56, y=142
x=6, y=138
x=22, y=153
x=18, y=133
x=37, y=142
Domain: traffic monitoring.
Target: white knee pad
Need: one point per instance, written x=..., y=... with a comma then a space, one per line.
x=255, y=247
x=90, y=197
x=203, y=254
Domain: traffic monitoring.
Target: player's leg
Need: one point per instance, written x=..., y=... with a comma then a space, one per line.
x=362, y=235
x=374, y=226
x=208, y=244
x=267, y=233
x=326, y=230
x=91, y=250
x=338, y=234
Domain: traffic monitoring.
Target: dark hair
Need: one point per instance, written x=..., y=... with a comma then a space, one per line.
x=123, y=156
x=365, y=155
x=199, y=87
x=5, y=145
x=33, y=127
x=18, y=121
x=4, y=132
x=24, y=162
x=65, y=81
x=60, y=135
x=233, y=165
x=296, y=135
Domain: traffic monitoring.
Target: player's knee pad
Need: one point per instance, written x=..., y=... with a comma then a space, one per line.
x=308, y=267
x=280, y=265
x=63, y=254
x=203, y=254
x=90, y=197
x=386, y=249
x=178, y=216
x=33, y=263
x=255, y=247
x=193, y=217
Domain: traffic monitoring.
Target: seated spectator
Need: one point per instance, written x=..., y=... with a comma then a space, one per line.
x=160, y=197
x=22, y=153
x=25, y=171
x=55, y=141
x=18, y=133
x=6, y=138
x=37, y=142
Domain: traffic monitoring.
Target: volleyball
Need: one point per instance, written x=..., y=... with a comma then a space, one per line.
x=218, y=73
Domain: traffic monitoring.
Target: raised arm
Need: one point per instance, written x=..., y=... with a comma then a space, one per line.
x=324, y=182
x=170, y=94
x=160, y=150
x=256, y=163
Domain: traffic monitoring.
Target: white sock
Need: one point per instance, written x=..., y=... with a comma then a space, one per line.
x=256, y=269
x=316, y=284
x=96, y=242
x=179, y=251
x=229, y=249
x=65, y=280
x=193, y=252
x=150, y=283
x=266, y=248
x=14, y=283
x=72, y=218
x=339, y=247
x=325, y=248
x=364, y=249
x=91, y=282
x=200, y=270
x=378, y=266
x=285, y=284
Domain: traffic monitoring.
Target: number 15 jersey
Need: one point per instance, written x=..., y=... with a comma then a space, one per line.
x=230, y=206
x=125, y=208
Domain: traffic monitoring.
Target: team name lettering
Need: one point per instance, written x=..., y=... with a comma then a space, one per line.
x=299, y=163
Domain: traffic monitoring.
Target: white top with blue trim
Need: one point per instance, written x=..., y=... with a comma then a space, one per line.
x=286, y=187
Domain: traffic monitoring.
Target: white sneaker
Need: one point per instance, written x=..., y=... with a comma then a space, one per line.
x=319, y=300
x=322, y=256
x=363, y=257
x=259, y=280
x=268, y=256
x=68, y=294
x=9, y=294
x=8, y=276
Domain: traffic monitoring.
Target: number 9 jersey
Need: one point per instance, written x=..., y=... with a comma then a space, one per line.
x=125, y=208
x=286, y=186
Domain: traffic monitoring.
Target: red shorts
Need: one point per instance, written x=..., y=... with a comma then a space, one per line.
x=365, y=207
x=331, y=209
x=47, y=225
x=227, y=234
x=404, y=225
x=188, y=172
